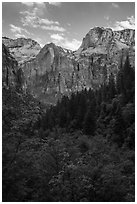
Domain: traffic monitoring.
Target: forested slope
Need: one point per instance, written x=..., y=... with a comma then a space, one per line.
x=82, y=149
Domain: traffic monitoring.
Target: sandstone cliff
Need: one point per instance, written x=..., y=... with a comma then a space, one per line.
x=9, y=68
x=103, y=37
x=56, y=71
x=22, y=49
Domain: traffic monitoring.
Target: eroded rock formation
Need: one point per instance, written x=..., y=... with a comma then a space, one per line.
x=22, y=49
x=56, y=71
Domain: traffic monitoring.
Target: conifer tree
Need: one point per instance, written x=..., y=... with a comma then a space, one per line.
x=128, y=79
x=119, y=81
x=111, y=87
x=89, y=124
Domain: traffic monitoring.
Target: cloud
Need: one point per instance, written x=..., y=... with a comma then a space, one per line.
x=114, y=5
x=57, y=37
x=33, y=20
x=54, y=28
x=20, y=35
x=65, y=42
x=72, y=45
x=47, y=22
x=16, y=29
x=37, y=7
x=31, y=4
x=28, y=3
x=106, y=18
x=68, y=24
x=40, y=4
x=39, y=40
x=126, y=24
x=55, y=3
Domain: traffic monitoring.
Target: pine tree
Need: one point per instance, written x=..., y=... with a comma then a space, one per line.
x=89, y=124
x=128, y=79
x=125, y=80
x=104, y=92
x=119, y=80
x=111, y=87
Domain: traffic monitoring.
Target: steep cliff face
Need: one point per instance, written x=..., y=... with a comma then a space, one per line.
x=103, y=37
x=104, y=41
x=101, y=52
x=22, y=49
x=9, y=68
x=56, y=71
x=49, y=75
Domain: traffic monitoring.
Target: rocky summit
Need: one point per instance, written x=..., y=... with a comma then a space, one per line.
x=22, y=49
x=55, y=71
x=103, y=37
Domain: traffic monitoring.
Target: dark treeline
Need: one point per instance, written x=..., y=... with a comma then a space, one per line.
x=80, y=150
x=111, y=107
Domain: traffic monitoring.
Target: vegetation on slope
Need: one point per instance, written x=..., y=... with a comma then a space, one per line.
x=82, y=149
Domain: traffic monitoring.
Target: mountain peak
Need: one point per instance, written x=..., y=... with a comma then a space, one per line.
x=98, y=36
x=22, y=49
x=51, y=44
x=97, y=28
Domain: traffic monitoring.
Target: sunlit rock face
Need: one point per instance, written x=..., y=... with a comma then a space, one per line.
x=101, y=51
x=103, y=37
x=49, y=75
x=22, y=49
x=55, y=71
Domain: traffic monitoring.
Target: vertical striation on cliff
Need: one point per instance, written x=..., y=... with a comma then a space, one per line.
x=55, y=71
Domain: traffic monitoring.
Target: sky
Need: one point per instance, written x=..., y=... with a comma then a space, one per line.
x=63, y=23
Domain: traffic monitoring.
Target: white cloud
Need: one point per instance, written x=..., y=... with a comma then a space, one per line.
x=31, y=4
x=126, y=24
x=32, y=19
x=56, y=37
x=55, y=3
x=131, y=20
x=54, y=28
x=36, y=7
x=65, y=42
x=35, y=21
x=72, y=45
x=16, y=29
x=115, y=5
x=40, y=3
x=20, y=35
x=47, y=22
x=39, y=40
x=28, y=3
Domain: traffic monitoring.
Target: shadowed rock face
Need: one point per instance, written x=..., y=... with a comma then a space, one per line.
x=56, y=71
x=9, y=68
x=22, y=49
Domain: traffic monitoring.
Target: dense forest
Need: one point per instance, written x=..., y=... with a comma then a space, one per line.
x=82, y=149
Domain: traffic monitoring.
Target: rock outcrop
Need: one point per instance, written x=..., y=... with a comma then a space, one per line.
x=104, y=37
x=9, y=68
x=56, y=71
x=22, y=49
x=49, y=75
x=104, y=41
x=101, y=52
